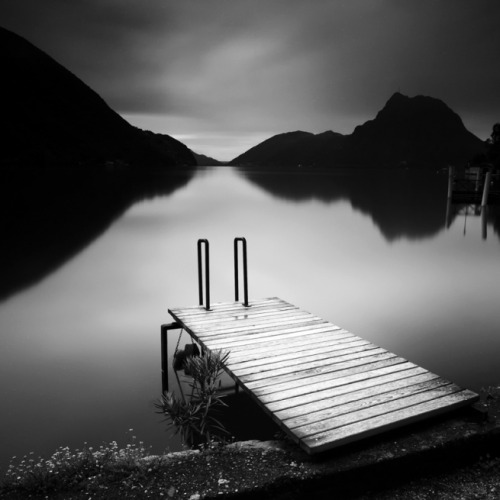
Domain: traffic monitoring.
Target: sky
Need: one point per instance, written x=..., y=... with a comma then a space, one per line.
x=223, y=75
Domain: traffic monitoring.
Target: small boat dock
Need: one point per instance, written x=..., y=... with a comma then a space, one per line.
x=478, y=184
x=322, y=384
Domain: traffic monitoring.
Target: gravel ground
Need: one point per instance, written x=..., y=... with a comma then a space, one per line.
x=261, y=473
x=479, y=480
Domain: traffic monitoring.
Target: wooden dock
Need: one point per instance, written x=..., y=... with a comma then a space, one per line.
x=323, y=385
x=478, y=184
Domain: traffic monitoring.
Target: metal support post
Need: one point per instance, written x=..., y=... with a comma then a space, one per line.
x=164, y=353
x=486, y=189
x=451, y=175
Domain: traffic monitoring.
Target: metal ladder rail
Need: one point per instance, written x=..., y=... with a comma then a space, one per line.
x=236, y=271
x=201, y=242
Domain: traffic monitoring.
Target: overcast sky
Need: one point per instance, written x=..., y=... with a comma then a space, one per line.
x=223, y=75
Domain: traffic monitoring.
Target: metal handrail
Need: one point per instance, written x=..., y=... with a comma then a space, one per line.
x=245, y=276
x=207, y=274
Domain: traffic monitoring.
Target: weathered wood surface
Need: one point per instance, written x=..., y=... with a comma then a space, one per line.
x=323, y=385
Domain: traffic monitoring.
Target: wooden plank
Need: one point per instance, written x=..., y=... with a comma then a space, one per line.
x=318, y=333
x=305, y=383
x=256, y=337
x=337, y=350
x=227, y=324
x=329, y=339
x=376, y=425
x=246, y=342
x=307, y=328
x=223, y=306
x=307, y=325
x=249, y=326
x=263, y=346
x=264, y=350
x=353, y=408
x=305, y=321
x=238, y=315
x=314, y=372
x=324, y=352
x=342, y=386
x=344, y=395
x=360, y=414
x=260, y=353
x=228, y=321
x=232, y=307
x=343, y=348
x=282, y=377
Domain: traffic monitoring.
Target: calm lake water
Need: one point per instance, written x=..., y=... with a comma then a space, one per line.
x=372, y=253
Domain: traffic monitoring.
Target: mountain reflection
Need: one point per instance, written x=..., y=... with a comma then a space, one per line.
x=402, y=203
x=47, y=217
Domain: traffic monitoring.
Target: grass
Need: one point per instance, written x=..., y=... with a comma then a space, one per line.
x=87, y=471
x=110, y=472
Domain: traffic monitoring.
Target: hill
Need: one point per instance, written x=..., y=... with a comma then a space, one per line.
x=50, y=117
x=206, y=161
x=293, y=148
x=275, y=150
x=418, y=131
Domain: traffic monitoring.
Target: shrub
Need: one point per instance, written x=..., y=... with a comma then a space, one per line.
x=195, y=419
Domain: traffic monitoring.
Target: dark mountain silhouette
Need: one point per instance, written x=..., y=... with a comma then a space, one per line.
x=206, y=161
x=294, y=148
x=49, y=118
x=418, y=131
x=272, y=151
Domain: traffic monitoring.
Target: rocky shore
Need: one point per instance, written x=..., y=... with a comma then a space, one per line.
x=450, y=457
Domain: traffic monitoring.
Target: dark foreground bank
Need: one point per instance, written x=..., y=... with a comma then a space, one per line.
x=452, y=457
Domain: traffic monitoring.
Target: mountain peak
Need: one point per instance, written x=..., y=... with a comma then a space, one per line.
x=413, y=130
x=397, y=97
x=422, y=104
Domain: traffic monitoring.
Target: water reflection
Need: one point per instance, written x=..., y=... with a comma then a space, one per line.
x=47, y=217
x=489, y=215
x=402, y=203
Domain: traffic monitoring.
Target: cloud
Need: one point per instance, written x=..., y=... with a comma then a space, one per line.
x=259, y=67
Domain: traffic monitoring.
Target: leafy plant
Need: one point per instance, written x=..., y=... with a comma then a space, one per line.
x=195, y=419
